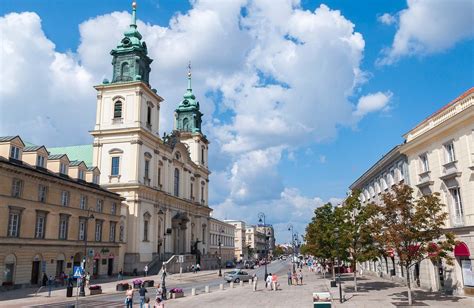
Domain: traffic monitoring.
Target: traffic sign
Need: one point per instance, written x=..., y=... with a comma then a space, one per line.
x=181, y=259
x=78, y=271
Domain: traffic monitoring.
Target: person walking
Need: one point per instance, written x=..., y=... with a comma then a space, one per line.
x=146, y=270
x=120, y=275
x=129, y=297
x=147, y=303
x=198, y=267
x=88, y=279
x=300, y=277
x=294, y=278
x=159, y=303
x=254, y=280
x=159, y=292
x=289, y=277
x=142, y=291
x=274, y=282
x=50, y=285
x=268, y=281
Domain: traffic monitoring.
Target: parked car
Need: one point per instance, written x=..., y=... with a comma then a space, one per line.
x=229, y=264
x=237, y=276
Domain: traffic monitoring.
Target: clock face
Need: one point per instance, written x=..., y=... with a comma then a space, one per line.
x=186, y=102
x=126, y=41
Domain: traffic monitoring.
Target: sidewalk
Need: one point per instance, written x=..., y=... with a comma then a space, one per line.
x=26, y=297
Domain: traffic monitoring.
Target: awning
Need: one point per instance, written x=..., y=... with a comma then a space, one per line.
x=461, y=250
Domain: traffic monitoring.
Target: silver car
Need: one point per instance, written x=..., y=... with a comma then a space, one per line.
x=237, y=276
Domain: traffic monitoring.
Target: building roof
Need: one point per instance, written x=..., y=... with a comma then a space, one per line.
x=75, y=163
x=75, y=152
x=55, y=156
x=7, y=138
x=32, y=148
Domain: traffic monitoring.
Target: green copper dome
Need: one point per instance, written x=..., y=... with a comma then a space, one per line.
x=188, y=115
x=130, y=59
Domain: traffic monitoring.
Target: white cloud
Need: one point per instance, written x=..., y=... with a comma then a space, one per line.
x=387, y=19
x=430, y=26
x=372, y=103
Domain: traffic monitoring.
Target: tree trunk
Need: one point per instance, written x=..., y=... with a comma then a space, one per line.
x=410, y=301
x=355, y=277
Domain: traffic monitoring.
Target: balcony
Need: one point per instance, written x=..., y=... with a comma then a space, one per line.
x=424, y=179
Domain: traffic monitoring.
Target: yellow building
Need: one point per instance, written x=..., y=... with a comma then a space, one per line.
x=52, y=213
x=221, y=234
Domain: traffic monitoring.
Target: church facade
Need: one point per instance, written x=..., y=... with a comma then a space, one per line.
x=164, y=180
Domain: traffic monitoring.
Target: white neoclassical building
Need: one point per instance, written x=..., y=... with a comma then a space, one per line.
x=164, y=180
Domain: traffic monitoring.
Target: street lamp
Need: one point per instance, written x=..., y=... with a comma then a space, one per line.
x=163, y=277
x=220, y=252
x=261, y=218
x=82, y=292
x=336, y=231
x=290, y=228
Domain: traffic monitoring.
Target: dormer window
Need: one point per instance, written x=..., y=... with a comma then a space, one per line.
x=15, y=153
x=40, y=161
x=81, y=175
x=62, y=168
x=118, y=110
x=95, y=179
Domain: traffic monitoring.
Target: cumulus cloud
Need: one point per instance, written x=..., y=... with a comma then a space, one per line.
x=429, y=26
x=266, y=64
x=387, y=19
x=372, y=103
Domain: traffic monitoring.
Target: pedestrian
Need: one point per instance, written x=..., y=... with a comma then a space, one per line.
x=254, y=280
x=146, y=270
x=289, y=277
x=274, y=282
x=159, y=292
x=147, y=303
x=268, y=281
x=129, y=297
x=193, y=269
x=45, y=280
x=50, y=285
x=142, y=292
x=300, y=277
x=120, y=275
x=198, y=267
x=88, y=279
x=294, y=278
x=159, y=303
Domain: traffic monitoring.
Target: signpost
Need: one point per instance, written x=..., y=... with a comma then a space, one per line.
x=78, y=272
x=180, y=261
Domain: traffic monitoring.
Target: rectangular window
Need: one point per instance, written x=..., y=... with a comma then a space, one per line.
x=42, y=193
x=202, y=194
x=121, y=232
x=82, y=229
x=425, y=167
x=147, y=169
x=14, y=224
x=98, y=231
x=202, y=155
x=83, y=202
x=115, y=166
x=457, y=205
x=145, y=230
x=95, y=179
x=40, y=161
x=15, y=153
x=159, y=176
x=112, y=232
x=62, y=168
x=99, y=205
x=17, y=187
x=450, y=157
x=65, y=198
x=63, y=226
x=40, y=225
x=192, y=192
x=113, y=210
x=81, y=174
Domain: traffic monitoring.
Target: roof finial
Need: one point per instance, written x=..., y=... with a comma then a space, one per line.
x=134, y=14
x=189, y=75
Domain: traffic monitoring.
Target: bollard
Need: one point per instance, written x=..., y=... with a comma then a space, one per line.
x=231, y=284
x=241, y=283
x=193, y=291
x=206, y=289
x=221, y=286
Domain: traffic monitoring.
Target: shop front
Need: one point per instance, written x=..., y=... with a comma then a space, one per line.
x=463, y=260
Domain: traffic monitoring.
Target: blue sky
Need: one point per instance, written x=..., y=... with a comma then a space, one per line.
x=299, y=99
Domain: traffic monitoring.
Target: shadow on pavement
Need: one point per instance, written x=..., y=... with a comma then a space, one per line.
x=420, y=295
x=405, y=304
x=371, y=286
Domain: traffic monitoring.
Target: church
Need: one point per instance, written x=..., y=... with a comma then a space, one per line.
x=164, y=180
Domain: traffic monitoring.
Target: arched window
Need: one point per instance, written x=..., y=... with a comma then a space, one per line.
x=117, y=109
x=185, y=124
x=146, y=225
x=125, y=69
x=176, y=182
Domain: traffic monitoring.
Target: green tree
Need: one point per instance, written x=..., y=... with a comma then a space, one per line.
x=279, y=250
x=358, y=231
x=413, y=228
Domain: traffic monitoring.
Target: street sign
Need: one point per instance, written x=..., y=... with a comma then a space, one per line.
x=77, y=272
x=181, y=259
x=90, y=253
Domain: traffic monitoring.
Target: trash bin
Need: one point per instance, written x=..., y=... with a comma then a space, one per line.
x=333, y=284
x=69, y=291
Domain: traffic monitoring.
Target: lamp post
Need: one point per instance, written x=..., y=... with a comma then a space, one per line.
x=261, y=218
x=336, y=231
x=163, y=276
x=220, y=252
x=290, y=228
x=82, y=292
